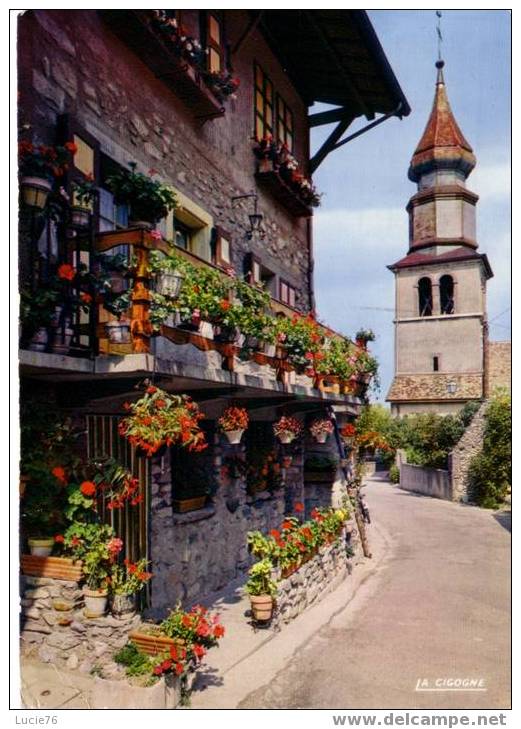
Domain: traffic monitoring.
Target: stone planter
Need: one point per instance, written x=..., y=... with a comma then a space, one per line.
x=261, y=607
x=234, y=436
x=123, y=605
x=35, y=191
x=40, y=546
x=95, y=602
x=181, y=506
x=59, y=568
x=118, y=332
x=152, y=642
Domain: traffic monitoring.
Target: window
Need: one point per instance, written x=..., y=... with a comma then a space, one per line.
x=263, y=104
x=284, y=123
x=112, y=215
x=435, y=363
x=221, y=248
x=287, y=293
x=258, y=275
x=214, y=42
x=425, y=296
x=447, y=295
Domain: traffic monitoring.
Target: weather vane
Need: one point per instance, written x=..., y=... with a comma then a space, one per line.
x=438, y=30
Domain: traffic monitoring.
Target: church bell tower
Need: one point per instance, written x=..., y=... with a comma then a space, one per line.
x=440, y=285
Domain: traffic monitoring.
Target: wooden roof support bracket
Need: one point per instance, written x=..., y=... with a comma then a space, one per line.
x=247, y=31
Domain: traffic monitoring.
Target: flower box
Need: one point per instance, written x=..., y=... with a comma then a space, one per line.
x=135, y=28
x=272, y=182
x=181, y=506
x=59, y=568
x=151, y=641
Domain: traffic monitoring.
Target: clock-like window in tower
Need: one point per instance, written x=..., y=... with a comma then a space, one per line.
x=447, y=295
x=425, y=296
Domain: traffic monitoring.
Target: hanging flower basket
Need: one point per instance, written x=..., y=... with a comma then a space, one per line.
x=168, y=283
x=287, y=429
x=160, y=419
x=233, y=422
x=321, y=430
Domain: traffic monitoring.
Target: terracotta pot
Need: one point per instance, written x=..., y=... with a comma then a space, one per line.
x=95, y=602
x=122, y=605
x=118, y=332
x=41, y=546
x=261, y=607
x=234, y=436
x=35, y=191
x=60, y=568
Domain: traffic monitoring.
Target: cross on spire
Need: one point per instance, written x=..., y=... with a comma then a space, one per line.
x=438, y=31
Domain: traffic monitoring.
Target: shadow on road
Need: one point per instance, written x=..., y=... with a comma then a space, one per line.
x=505, y=519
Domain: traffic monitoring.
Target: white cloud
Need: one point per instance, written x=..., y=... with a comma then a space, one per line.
x=491, y=182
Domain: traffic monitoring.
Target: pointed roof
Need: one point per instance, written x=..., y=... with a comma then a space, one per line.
x=442, y=144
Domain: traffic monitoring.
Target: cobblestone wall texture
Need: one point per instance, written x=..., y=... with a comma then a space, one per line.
x=469, y=445
x=499, y=366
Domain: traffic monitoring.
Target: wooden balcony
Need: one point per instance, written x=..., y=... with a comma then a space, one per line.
x=135, y=29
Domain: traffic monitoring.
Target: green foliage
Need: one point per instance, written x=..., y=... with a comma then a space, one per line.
x=260, y=581
x=394, y=474
x=148, y=199
x=321, y=463
x=490, y=473
x=135, y=661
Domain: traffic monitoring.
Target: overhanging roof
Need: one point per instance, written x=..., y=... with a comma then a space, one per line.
x=335, y=57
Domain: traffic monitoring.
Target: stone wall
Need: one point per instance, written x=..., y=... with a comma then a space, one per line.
x=499, y=363
x=469, y=445
x=432, y=387
x=313, y=580
x=428, y=481
x=55, y=629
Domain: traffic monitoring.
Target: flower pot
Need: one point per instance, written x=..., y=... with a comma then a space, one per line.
x=234, y=436
x=151, y=641
x=123, y=605
x=261, y=607
x=226, y=335
x=251, y=342
x=321, y=437
x=168, y=283
x=287, y=461
x=286, y=437
x=60, y=568
x=80, y=217
x=268, y=349
x=35, y=191
x=118, y=332
x=41, y=546
x=95, y=602
x=38, y=342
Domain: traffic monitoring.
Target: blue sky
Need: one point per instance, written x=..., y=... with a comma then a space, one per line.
x=362, y=225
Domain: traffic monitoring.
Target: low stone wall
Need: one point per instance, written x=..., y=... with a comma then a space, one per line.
x=55, y=630
x=429, y=481
x=469, y=445
x=312, y=580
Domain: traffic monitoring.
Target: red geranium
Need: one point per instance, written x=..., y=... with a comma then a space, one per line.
x=88, y=488
x=59, y=473
x=66, y=272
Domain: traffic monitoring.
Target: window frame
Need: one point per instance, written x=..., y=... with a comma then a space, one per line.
x=286, y=111
x=261, y=116
x=218, y=47
x=291, y=290
x=422, y=312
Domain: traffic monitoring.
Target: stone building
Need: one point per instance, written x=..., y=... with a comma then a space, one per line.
x=124, y=90
x=441, y=340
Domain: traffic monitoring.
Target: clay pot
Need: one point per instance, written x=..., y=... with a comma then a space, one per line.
x=95, y=602
x=121, y=605
x=41, y=546
x=261, y=607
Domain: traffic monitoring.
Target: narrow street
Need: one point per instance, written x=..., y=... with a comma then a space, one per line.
x=437, y=608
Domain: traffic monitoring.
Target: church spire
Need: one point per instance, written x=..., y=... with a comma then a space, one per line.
x=442, y=146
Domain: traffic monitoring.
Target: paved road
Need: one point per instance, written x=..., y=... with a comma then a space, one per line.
x=438, y=608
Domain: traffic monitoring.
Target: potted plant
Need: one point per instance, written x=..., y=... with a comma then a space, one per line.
x=348, y=434
x=321, y=429
x=287, y=428
x=262, y=589
x=39, y=165
x=169, y=272
x=160, y=419
x=363, y=336
x=233, y=422
x=320, y=469
x=84, y=192
x=125, y=582
x=149, y=200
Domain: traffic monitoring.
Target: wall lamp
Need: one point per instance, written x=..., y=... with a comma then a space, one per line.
x=255, y=218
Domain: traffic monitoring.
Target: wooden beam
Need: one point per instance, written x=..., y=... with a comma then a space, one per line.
x=248, y=31
x=328, y=117
x=329, y=144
